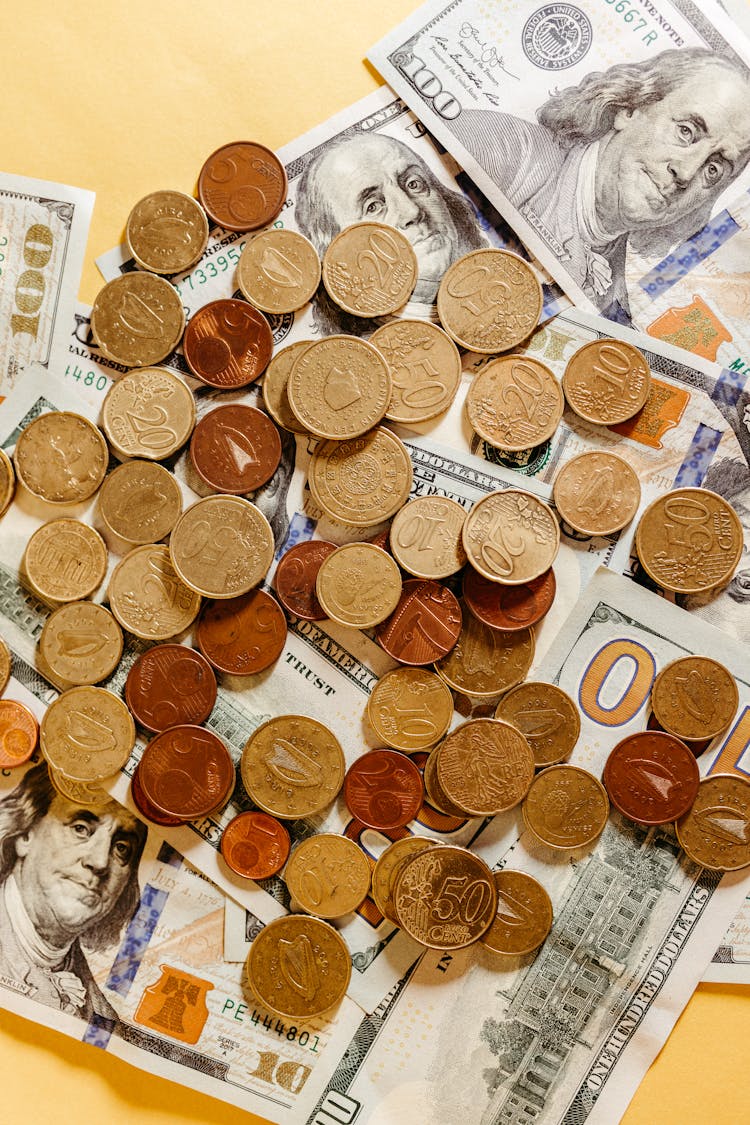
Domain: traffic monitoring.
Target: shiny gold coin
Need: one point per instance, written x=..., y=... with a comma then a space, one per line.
x=566, y=807
x=339, y=387
x=148, y=413
x=65, y=560
x=689, y=541
x=6, y=665
x=87, y=734
x=489, y=301
x=278, y=271
x=695, y=698
x=222, y=546
x=358, y=585
x=524, y=915
x=514, y=403
x=425, y=537
x=140, y=502
x=137, y=319
x=389, y=866
x=363, y=481
x=148, y=598
x=298, y=967
x=511, y=537
x=7, y=481
x=167, y=232
x=485, y=662
x=81, y=643
x=275, y=382
x=547, y=718
x=436, y=795
x=597, y=493
x=716, y=831
x=425, y=368
x=445, y=897
x=292, y=766
x=88, y=794
x=607, y=381
x=410, y=709
x=328, y=875
x=370, y=269
x=485, y=766
x=61, y=458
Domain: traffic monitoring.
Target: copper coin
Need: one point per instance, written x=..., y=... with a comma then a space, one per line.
x=186, y=772
x=255, y=845
x=242, y=635
x=296, y=575
x=695, y=746
x=651, y=777
x=227, y=344
x=242, y=186
x=383, y=789
x=145, y=808
x=508, y=607
x=425, y=624
x=170, y=685
x=235, y=448
x=19, y=732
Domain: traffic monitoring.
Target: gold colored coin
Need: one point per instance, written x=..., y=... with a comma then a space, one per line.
x=716, y=831
x=292, y=766
x=689, y=541
x=358, y=585
x=81, y=643
x=148, y=598
x=547, y=718
x=148, y=413
x=222, y=546
x=65, y=560
x=389, y=866
x=370, y=269
x=524, y=915
x=597, y=493
x=363, y=481
x=298, y=967
x=425, y=537
x=425, y=368
x=436, y=795
x=7, y=481
x=85, y=793
x=140, y=502
x=339, y=387
x=607, y=382
x=511, y=537
x=61, y=457
x=489, y=301
x=167, y=232
x=445, y=897
x=6, y=665
x=87, y=734
x=137, y=319
x=514, y=403
x=695, y=698
x=278, y=271
x=485, y=662
x=275, y=381
x=328, y=875
x=566, y=807
x=485, y=766
x=410, y=709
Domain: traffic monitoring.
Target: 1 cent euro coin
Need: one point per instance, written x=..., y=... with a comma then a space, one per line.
x=137, y=319
x=222, y=546
x=87, y=734
x=339, y=387
x=445, y=897
x=242, y=186
x=147, y=597
x=148, y=413
x=425, y=368
x=255, y=845
x=607, y=381
x=370, y=269
x=514, y=403
x=298, y=967
x=511, y=537
x=485, y=766
x=695, y=698
x=328, y=875
x=547, y=718
x=597, y=493
x=410, y=709
x=358, y=585
x=566, y=807
x=651, y=777
x=292, y=766
x=166, y=232
x=364, y=481
x=278, y=271
x=65, y=560
x=19, y=732
x=689, y=541
x=716, y=831
x=61, y=457
x=489, y=301
x=524, y=915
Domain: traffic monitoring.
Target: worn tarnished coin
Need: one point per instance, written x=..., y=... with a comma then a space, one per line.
x=651, y=777
x=85, y=793
x=383, y=789
x=339, y=387
x=7, y=481
x=242, y=186
x=140, y=502
x=445, y=897
x=485, y=662
x=410, y=709
x=167, y=231
x=426, y=537
x=511, y=537
x=695, y=698
x=235, y=448
x=716, y=831
x=370, y=269
x=255, y=845
x=222, y=546
x=597, y=493
x=275, y=381
x=485, y=766
x=144, y=806
x=566, y=807
x=425, y=368
x=689, y=540
x=187, y=772
x=292, y=766
x=6, y=665
x=514, y=403
x=148, y=413
x=389, y=866
x=243, y=635
x=19, y=732
x=87, y=733
x=328, y=875
x=358, y=585
x=65, y=560
x=363, y=481
x=81, y=643
x=61, y=457
x=436, y=795
x=170, y=685
x=489, y=301
x=298, y=967
x=509, y=607
x=147, y=597
x=425, y=624
x=524, y=915
x=227, y=344
x=547, y=718
x=607, y=381
x=278, y=271
x=137, y=319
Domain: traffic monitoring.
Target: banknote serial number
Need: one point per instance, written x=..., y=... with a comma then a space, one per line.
x=209, y=270
x=634, y=19
x=293, y=1034
x=88, y=378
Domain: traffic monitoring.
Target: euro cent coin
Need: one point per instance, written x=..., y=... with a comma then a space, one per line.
x=244, y=635
x=6, y=665
x=358, y=585
x=410, y=709
x=298, y=967
x=566, y=807
x=445, y=897
x=227, y=344
x=389, y=866
x=166, y=232
x=292, y=766
x=19, y=732
x=278, y=271
x=383, y=789
x=524, y=915
x=328, y=875
x=65, y=560
x=170, y=685
x=716, y=831
x=597, y=493
x=147, y=596
x=7, y=481
x=275, y=382
x=137, y=319
x=651, y=777
x=489, y=301
x=514, y=403
x=80, y=643
x=296, y=576
x=370, y=269
x=362, y=482
x=485, y=662
x=425, y=368
x=425, y=537
x=546, y=716
x=485, y=766
x=235, y=448
x=509, y=608
x=87, y=733
x=61, y=457
x=510, y=536
x=148, y=413
x=255, y=845
x=140, y=502
x=607, y=381
x=339, y=387
x=242, y=186
x=689, y=541
x=187, y=772
x=695, y=698
x=222, y=546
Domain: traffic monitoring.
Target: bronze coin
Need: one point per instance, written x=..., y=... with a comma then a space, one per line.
x=186, y=772
x=242, y=635
x=242, y=186
x=255, y=845
x=508, y=607
x=227, y=344
x=383, y=789
x=298, y=967
x=566, y=807
x=651, y=777
x=695, y=746
x=484, y=766
x=19, y=732
x=695, y=698
x=546, y=716
x=296, y=576
x=235, y=448
x=425, y=624
x=716, y=831
x=524, y=915
x=170, y=685
x=445, y=897
x=146, y=809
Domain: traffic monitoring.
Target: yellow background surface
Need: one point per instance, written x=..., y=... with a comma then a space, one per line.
x=124, y=98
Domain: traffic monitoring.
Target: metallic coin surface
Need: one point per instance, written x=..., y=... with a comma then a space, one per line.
x=61, y=457
x=278, y=271
x=328, y=875
x=607, y=381
x=389, y=866
x=689, y=540
x=524, y=915
x=144, y=806
x=222, y=546
x=235, y=448
x=511, y=537
x=436, y=795
x=187, y=772
x=339, y=387
x=485, y=662
x=148, y=413
x=425, y=624
x=716, y=831
x=425, y=537
x=383, y=789
x=547, y=718
x=140, y=502
x=87, y=734
x=514, y=403
x=137, y=319
x=242, y=186
x=275, y=382
x=242, y=635
x=695, y=698
x=485, y=766
x=651, y=777
x=566, y=807
x=358, y=585
x=255, y=845
x=298, y=967
x=445, y=897
x=7, y=481
x=296, y=575
x=597, y=493
x=81, y=643
x=227, y=344
x=147, y=597
x=489, y=301
x=19, y=732
x=6, y=665
x=169, y=686
x=86, y=793
x=292, y=766
x=363, y=481
x=370, y=269
x=410, y=709
x=65, y=560
x=425, y=368
x=166, y=232
x=508, y=607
